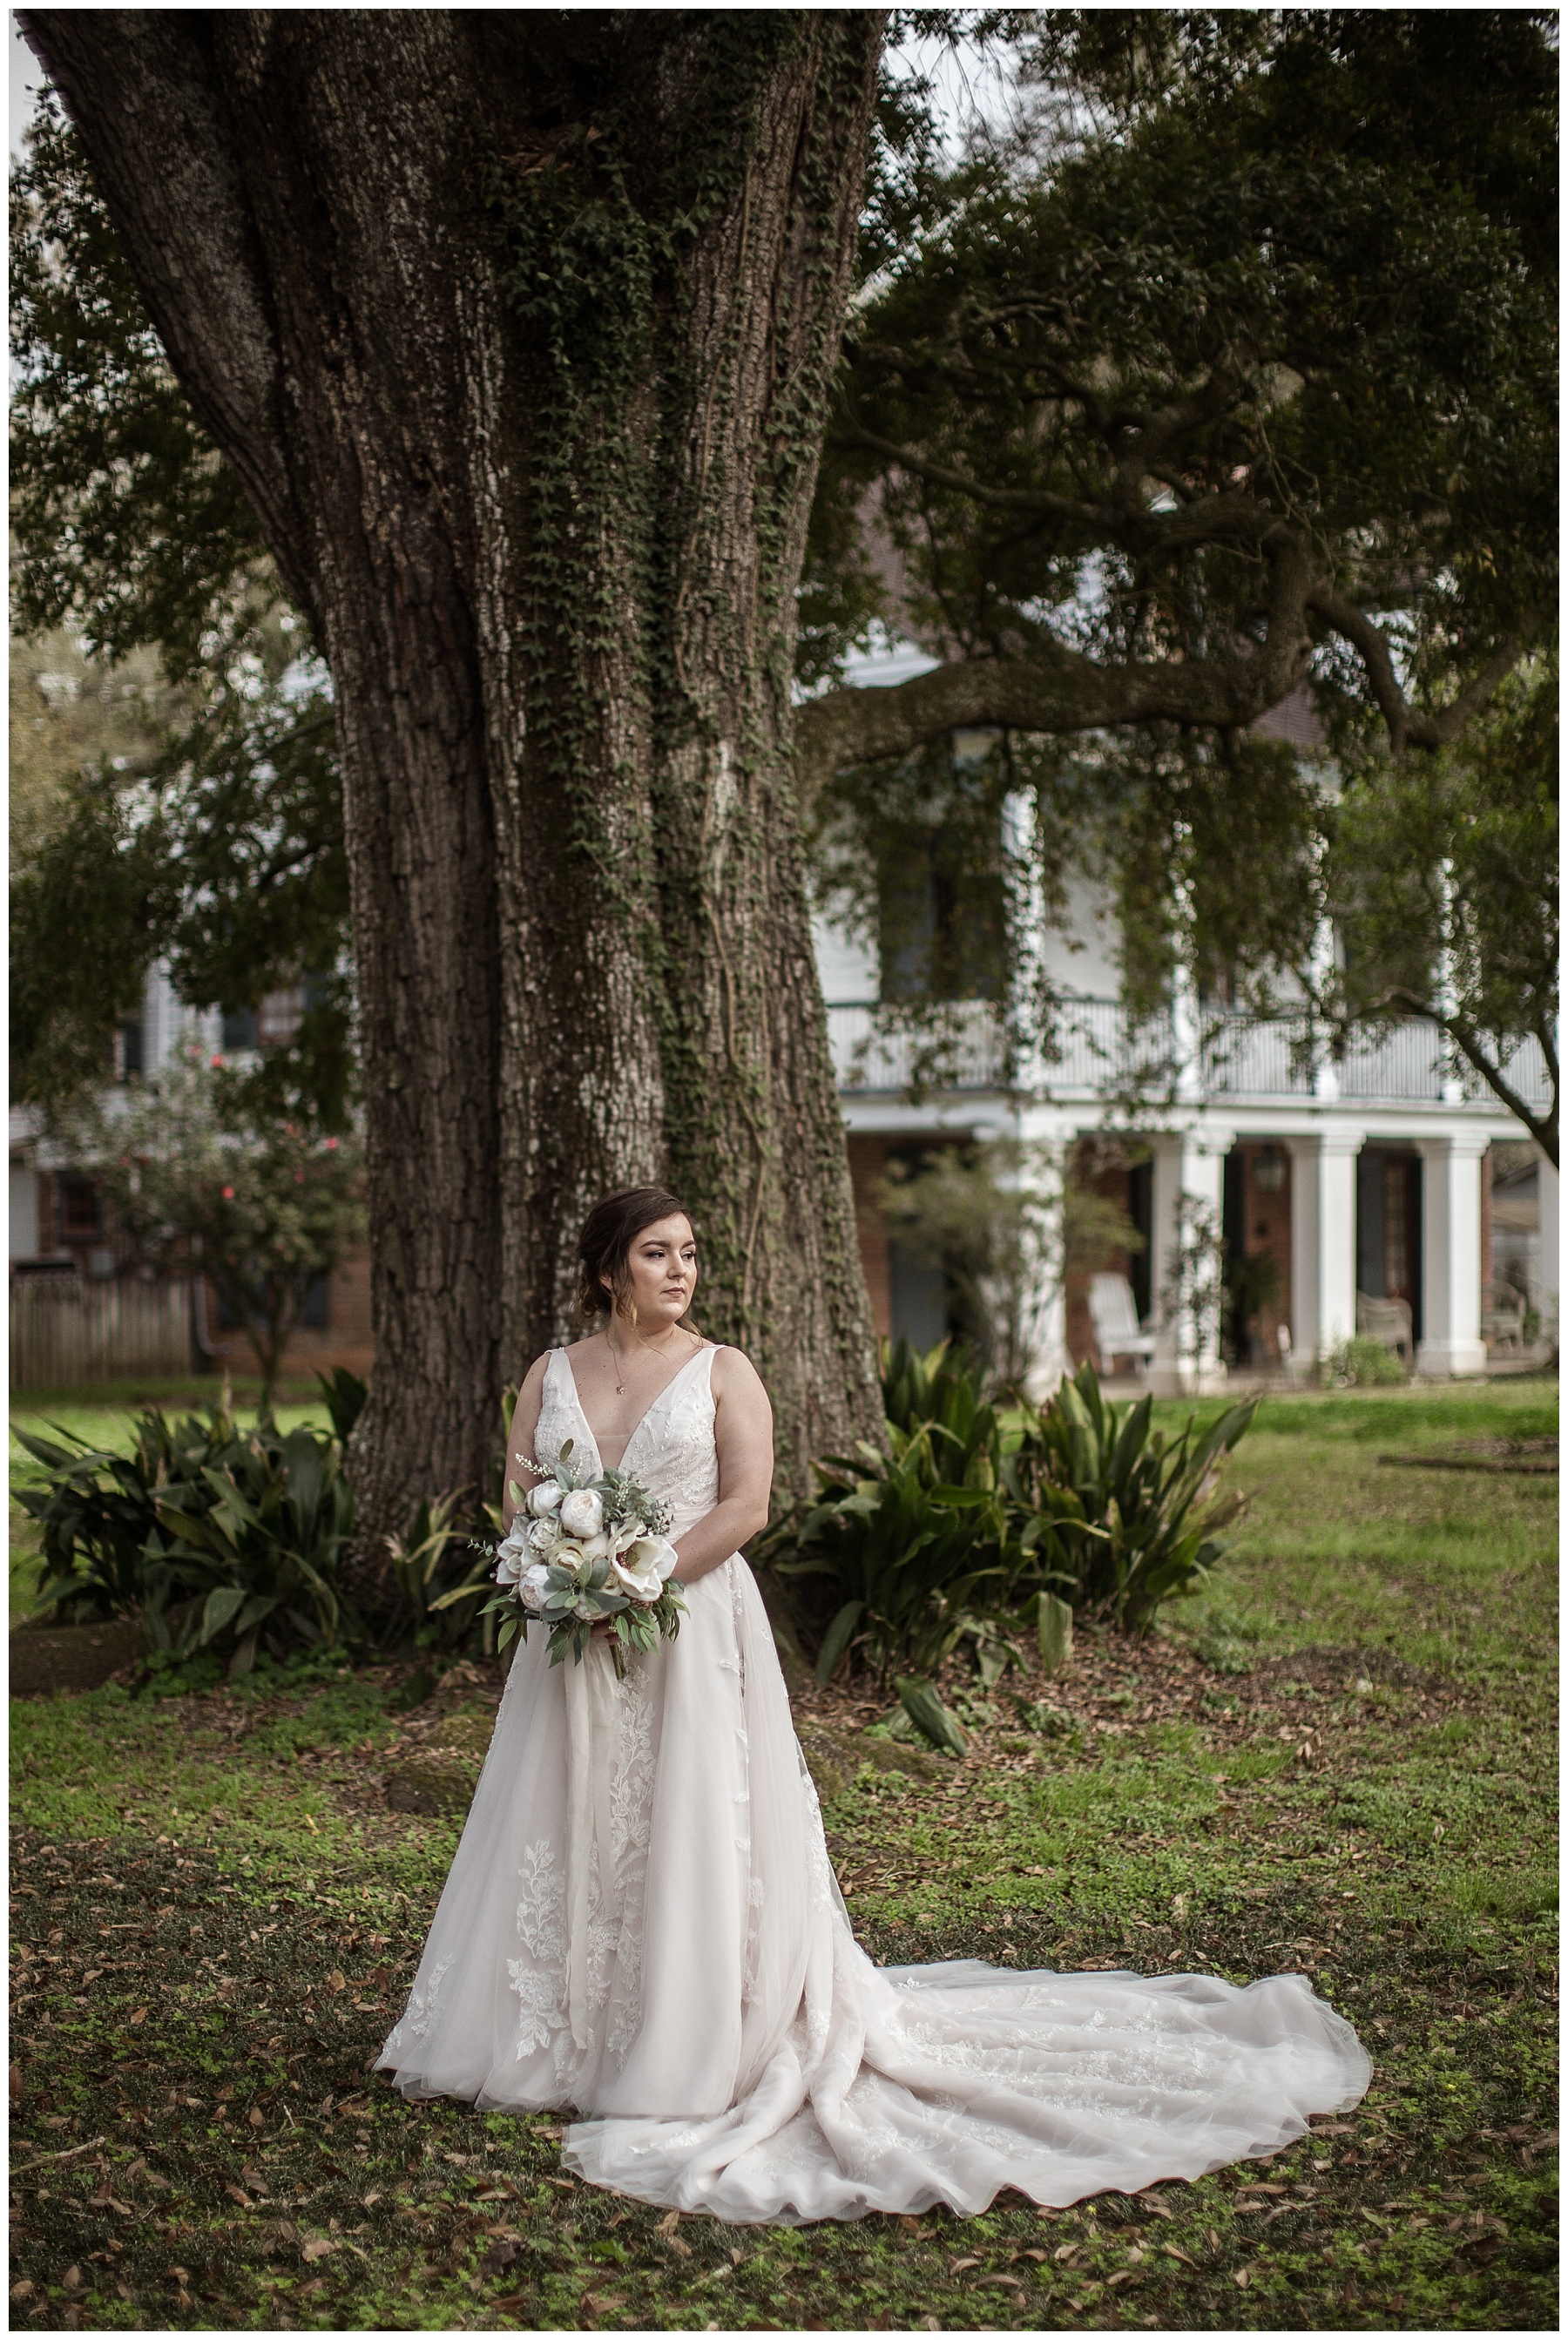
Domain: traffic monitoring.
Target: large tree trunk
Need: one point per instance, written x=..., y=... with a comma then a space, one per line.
x=518, y=328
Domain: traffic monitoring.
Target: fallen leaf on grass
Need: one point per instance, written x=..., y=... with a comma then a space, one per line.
x=959, y=2264
x=22, y=2290
x=317, y=2247
x=603, y=2302
x=1171, y=2252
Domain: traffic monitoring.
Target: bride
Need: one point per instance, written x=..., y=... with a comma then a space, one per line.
x=642, y=1922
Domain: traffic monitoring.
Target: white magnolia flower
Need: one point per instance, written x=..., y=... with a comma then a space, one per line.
x=545, y=1497
x=533, y=1585
x=581, y=1513
x=642, y=1568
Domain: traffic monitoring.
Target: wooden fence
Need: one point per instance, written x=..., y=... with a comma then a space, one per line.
x=66, y=1329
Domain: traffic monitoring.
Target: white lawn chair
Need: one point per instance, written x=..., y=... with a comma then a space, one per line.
x=1113, y=1314
x=1502, y=1317
x=1388, y=1321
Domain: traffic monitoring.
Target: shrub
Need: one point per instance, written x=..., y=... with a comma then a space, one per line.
x=220, y=1537
x=436, y=1601
x=1148, y=1507
x=1362, y=1364
x=443, y=1570
x=919, y=1548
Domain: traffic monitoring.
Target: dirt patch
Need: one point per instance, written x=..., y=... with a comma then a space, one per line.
x=49, y=1658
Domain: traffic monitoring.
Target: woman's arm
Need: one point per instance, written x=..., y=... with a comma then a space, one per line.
x=743, y=1433
x=520, y=1439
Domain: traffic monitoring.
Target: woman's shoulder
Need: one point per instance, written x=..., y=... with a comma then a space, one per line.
x=535, y=1376
x=732, y=1372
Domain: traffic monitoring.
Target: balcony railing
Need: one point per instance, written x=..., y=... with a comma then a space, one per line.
x=1099, y=1051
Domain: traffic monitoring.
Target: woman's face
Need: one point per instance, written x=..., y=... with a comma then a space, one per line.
x=661, y=1266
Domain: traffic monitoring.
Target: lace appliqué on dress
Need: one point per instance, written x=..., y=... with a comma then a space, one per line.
x=421, y=2010
x=539, y=1979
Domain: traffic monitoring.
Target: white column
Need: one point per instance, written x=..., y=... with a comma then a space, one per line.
x=1189, y=1220
x=1551, y=1203
x=1451, y=1339
x=1322, y=1238
x=1041, y=1302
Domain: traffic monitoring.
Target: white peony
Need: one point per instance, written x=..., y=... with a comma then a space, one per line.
x=545, y=1497
x=543, y=1533
x=533, y=1586
x=643, y=1566
x=581, y=1513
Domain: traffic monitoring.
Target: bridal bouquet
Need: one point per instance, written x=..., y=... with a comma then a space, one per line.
x=587, y=1553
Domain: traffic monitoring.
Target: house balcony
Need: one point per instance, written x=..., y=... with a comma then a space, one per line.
x=1102, y=1053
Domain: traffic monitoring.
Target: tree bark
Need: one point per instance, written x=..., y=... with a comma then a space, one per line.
x=519, y=329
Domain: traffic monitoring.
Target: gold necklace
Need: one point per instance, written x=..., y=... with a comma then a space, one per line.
x=657, y=1347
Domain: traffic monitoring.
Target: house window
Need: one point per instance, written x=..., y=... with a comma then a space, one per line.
x=132, y=1059
x=1396, y=1228
x=941, y=894
x=1388, y=1227
x=80, y=1209
x=239, y=1030
x=279, y=1015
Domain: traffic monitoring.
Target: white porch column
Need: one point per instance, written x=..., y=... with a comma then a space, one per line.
x=1451, y=1339
x=1043, y=1301
x=1551, y=1255
x=1188, y=1218
x=1322, y=1238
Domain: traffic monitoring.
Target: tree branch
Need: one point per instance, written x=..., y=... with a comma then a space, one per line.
x=1471, y=1043
x=1210, y=520
x=1406, y=728
x=140, y=86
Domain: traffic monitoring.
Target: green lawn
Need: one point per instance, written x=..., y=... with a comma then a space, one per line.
x=1340, y=1757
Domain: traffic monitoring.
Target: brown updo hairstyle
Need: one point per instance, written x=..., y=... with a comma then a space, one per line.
x=604, y=1246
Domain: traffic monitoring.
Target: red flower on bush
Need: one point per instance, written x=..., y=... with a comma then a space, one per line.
x=228, y=1193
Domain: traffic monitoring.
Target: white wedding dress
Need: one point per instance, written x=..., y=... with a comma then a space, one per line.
x=642, y=1923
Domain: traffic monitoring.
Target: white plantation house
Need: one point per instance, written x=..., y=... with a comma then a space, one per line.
x=1391, y=1194
x=1384, y=1190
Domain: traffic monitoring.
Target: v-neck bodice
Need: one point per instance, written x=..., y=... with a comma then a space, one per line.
x=671, y=1448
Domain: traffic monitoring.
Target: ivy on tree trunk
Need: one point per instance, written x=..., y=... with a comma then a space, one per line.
x=517, y=329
